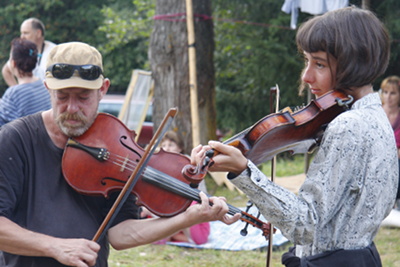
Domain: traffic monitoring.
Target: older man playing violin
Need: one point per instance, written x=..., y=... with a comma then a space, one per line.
x=43, y=221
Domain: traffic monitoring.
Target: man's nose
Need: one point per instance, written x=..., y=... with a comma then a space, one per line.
x=72, y=105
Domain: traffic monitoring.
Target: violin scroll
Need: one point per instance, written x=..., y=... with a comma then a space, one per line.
x=195, y=174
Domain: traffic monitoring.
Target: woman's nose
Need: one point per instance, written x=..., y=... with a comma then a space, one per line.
x=307, y=75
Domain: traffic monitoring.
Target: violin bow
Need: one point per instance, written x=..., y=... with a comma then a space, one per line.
x=273, y=90
x=130, y=183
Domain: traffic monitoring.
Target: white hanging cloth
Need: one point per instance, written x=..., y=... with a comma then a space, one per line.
x=313, y=7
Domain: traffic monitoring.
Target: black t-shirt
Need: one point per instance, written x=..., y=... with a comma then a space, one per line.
x=35, y=195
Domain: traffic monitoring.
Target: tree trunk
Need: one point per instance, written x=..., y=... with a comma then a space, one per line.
x=168, y=54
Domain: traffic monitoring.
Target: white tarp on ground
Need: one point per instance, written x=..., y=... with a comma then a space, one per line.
x=228, y=237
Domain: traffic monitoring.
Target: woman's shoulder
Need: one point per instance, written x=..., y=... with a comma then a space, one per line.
x=358, y=122
x=346, y=119
x=366, y=109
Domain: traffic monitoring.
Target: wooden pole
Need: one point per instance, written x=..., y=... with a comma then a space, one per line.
x=194, y=107
x=365, y=4
x=273, y=174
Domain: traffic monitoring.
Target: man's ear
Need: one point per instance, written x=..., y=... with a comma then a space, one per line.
x=104, y=87
x=39, y=34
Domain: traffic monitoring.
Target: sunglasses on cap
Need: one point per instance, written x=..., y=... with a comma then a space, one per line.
x=65, y=71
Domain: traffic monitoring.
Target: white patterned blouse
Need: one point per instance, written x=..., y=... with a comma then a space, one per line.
x=349, y=189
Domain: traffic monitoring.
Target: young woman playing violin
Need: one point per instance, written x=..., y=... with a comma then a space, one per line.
x=351, y=183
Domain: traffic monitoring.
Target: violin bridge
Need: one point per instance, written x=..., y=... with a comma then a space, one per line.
x=123, y=165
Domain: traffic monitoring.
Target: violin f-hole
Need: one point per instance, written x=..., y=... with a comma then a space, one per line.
x=121, y=140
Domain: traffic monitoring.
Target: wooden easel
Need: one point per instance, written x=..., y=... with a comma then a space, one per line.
x=137, y=100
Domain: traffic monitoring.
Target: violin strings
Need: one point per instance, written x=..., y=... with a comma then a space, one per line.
x=173, y=185
x=169, y=183
x=154, y=174
x=179, y=187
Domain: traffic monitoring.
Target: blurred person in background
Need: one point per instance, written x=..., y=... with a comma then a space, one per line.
x=196, y=234
x=29, y=95
x=32, y=29
x=390, y=95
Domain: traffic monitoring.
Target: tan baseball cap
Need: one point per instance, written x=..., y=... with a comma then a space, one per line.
x=74, y=53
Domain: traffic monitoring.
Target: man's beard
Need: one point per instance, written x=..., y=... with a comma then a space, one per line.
x=75, y=129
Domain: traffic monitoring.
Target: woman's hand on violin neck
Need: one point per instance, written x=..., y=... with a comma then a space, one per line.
x=229, y=158
x=211, y=209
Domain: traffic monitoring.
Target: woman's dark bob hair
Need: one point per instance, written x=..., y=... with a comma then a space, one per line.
x=355, y=37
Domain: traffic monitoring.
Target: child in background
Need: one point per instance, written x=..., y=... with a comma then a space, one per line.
x=197, y=234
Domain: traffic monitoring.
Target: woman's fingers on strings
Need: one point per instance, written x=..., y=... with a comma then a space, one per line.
x=223, y=148
x=231, y=219
x=228, y=158
x=215, y=205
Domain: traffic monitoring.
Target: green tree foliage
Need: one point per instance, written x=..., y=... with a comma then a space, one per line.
x=76, y=20
x=255, y=50
x=389, y=12
x=127, y=25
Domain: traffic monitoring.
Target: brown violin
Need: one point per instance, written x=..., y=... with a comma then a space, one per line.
x=102, y=160
x=298, y=132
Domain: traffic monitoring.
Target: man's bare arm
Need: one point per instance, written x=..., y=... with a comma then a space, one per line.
x=8, y=75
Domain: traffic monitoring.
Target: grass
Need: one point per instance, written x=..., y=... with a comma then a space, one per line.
x=387, y=240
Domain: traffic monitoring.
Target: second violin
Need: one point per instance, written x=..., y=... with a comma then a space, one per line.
x=297, y=132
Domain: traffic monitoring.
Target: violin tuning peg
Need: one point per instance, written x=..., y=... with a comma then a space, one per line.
x=248, y=205
x=243, y=232
x=210, y=153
